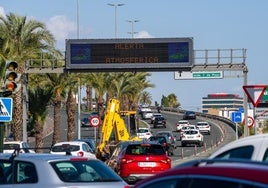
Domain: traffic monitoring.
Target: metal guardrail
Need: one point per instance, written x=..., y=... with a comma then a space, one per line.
x=209, y=116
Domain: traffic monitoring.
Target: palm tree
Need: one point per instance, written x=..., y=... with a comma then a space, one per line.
x=145, y=98
x=39, y=99
x=72, y=84
x=20, y=41
x=58, y=82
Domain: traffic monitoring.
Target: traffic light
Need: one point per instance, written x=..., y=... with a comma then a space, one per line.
x=12, y=77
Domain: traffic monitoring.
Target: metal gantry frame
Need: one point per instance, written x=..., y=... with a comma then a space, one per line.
x=227, y=60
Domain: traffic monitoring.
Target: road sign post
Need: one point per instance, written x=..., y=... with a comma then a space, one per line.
x=95, y=122
x=237, y=118
x=254, y=93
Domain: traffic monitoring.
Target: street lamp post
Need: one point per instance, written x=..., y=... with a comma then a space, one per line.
x=132, y=27
x=115, y=16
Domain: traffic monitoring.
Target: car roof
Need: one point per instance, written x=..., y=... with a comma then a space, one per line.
x=159, y=136
x=183, y=121
x=143, y=142
x=39, y=157
x=14, y=142
x=254, y=172
x=69, y=142
x=161, y=132
x=144, y=128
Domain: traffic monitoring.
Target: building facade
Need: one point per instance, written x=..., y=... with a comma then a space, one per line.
x=221, y=102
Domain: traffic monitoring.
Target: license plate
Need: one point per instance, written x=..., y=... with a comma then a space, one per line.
x=190, y=136
x=147, y=164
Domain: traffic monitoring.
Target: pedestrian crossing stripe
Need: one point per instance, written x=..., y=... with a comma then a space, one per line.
x=6, y=109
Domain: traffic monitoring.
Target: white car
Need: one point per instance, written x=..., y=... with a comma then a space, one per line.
x=40, y=170
x=75, y=148
x=186, y=128
x=249, y=148
x=181, y=123
x=144, y=133
x=203, y=127
x=22, y=146
x=147, y=115
x=192, y=136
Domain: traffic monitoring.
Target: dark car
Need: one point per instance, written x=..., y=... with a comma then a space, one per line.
x=159, y=122
x=85, y=122
x=170, y=135
x=164, y=141
x=90, y=142
x=189, y=115
x=210, y=174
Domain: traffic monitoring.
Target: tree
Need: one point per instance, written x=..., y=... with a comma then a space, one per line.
x=58, y=82
x=39, y=99
x=22, y=40
x=146, y=98
x=172, y=100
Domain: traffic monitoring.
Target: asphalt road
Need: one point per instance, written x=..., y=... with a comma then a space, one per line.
x=220, y=135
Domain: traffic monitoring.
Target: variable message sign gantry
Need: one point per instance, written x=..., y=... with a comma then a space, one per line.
x=144, y=54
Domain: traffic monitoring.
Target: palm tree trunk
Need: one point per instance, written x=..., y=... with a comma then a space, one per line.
x=39, y=127
x=56, y=132
x=89, y=97
x=70, y=110
x=17, y=116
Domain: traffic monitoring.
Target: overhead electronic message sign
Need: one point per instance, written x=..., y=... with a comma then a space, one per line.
x=150, y=54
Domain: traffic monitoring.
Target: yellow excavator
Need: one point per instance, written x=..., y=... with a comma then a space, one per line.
x=114, y=128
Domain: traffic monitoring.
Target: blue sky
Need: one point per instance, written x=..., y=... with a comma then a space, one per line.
x=228, y=24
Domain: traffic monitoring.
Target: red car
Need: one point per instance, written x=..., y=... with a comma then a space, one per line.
x=141, y=159
x=211, y=174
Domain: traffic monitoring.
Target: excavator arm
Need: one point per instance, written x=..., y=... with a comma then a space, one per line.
x=112, y=122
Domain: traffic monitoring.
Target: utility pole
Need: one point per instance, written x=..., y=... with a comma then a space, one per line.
x=115, y=16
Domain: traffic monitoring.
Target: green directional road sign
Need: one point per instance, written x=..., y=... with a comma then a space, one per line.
x=265, y=96
x=198, y=75
x=207, y=75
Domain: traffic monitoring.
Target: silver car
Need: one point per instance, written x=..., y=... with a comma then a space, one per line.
x=55, y=171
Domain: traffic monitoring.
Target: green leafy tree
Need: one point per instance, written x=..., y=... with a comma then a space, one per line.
x=39, y=99
x=22, y=40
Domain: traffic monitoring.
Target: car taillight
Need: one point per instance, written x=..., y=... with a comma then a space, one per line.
x=167, y=161
x=80, y=154
x=164, y=144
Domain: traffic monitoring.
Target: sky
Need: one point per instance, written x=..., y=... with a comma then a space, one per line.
x=225, y=24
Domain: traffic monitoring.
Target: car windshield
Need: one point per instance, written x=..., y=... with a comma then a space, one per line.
x=147, y=149
x=65, y=147
x=160, y=139
x=84, y=171
x=13, y=146
x=191, y=132
x=143, y=130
